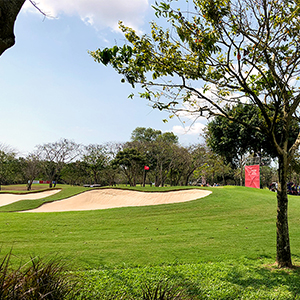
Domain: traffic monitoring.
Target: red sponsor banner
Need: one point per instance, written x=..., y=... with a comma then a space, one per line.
x=44, y=181
x=252, y=176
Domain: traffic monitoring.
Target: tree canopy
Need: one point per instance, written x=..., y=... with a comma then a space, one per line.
x=233, y=140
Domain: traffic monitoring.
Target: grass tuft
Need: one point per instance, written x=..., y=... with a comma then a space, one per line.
x=35, y=280
x=161, y=290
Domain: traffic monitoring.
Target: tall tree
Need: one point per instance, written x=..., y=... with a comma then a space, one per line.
x=224, y=51
x=33, y=167
x=212, y=168
x=142, y=134
x=181, y=159
x=7, y=167
x=96, y=159
x=131, y=162
x=196, y=159
x=56, y=155
x=157, y=148
x=233, y=140
x=110, y=172
x=7, y=164
x=75, y=173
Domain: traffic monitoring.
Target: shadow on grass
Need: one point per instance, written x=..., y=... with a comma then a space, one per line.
x=244, y=279
x=282, y=283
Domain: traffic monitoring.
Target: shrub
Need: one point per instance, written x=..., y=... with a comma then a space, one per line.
x=35, y=280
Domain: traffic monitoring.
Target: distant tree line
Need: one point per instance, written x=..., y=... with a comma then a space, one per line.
x=150, y=155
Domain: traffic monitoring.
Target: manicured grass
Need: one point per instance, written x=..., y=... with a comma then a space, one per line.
x=230, y=223
x=219, y=247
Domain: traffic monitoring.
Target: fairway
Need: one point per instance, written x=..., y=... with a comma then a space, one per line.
x=230, y=223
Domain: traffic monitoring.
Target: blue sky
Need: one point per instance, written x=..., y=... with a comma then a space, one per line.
x=51, y=88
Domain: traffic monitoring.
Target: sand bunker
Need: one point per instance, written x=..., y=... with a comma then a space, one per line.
x=11, y=198
x=110, y=198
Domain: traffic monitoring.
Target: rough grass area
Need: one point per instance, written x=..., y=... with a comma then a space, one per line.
x=235, y=279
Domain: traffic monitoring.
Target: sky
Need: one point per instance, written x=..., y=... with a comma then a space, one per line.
x=51, y=88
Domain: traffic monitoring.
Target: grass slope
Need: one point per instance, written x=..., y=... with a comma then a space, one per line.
x=230, y=223
x=217, y=247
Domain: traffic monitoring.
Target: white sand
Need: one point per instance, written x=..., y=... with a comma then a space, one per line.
x=110, y=198
x=11, y=198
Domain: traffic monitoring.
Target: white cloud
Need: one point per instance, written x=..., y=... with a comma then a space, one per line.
x=194, y=129
x=98, y=13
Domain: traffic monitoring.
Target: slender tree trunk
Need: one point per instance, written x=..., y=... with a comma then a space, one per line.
x=29, y=184
x=156, y=180
x=144, y=178
x=127, y=174
x=187, y=178
x=161, y=175
x=95, y=176
x=241, y=176
x=283, y=257
x=241, y=170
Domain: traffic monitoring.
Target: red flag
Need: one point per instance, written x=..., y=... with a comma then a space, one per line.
x=146, y=168
x=252, y=176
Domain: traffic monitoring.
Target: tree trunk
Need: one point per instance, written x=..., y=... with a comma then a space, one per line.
x=8, y=14
x=29, y=184
x=187, y=178
x=241, y=176
x=161, y=175
x=156, y=181
x=144, y=178
x=186, y=182
x=95, y=176
x=241, y=170
x=283, y=257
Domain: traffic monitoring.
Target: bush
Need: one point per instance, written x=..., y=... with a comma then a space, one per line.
x=35, y=280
